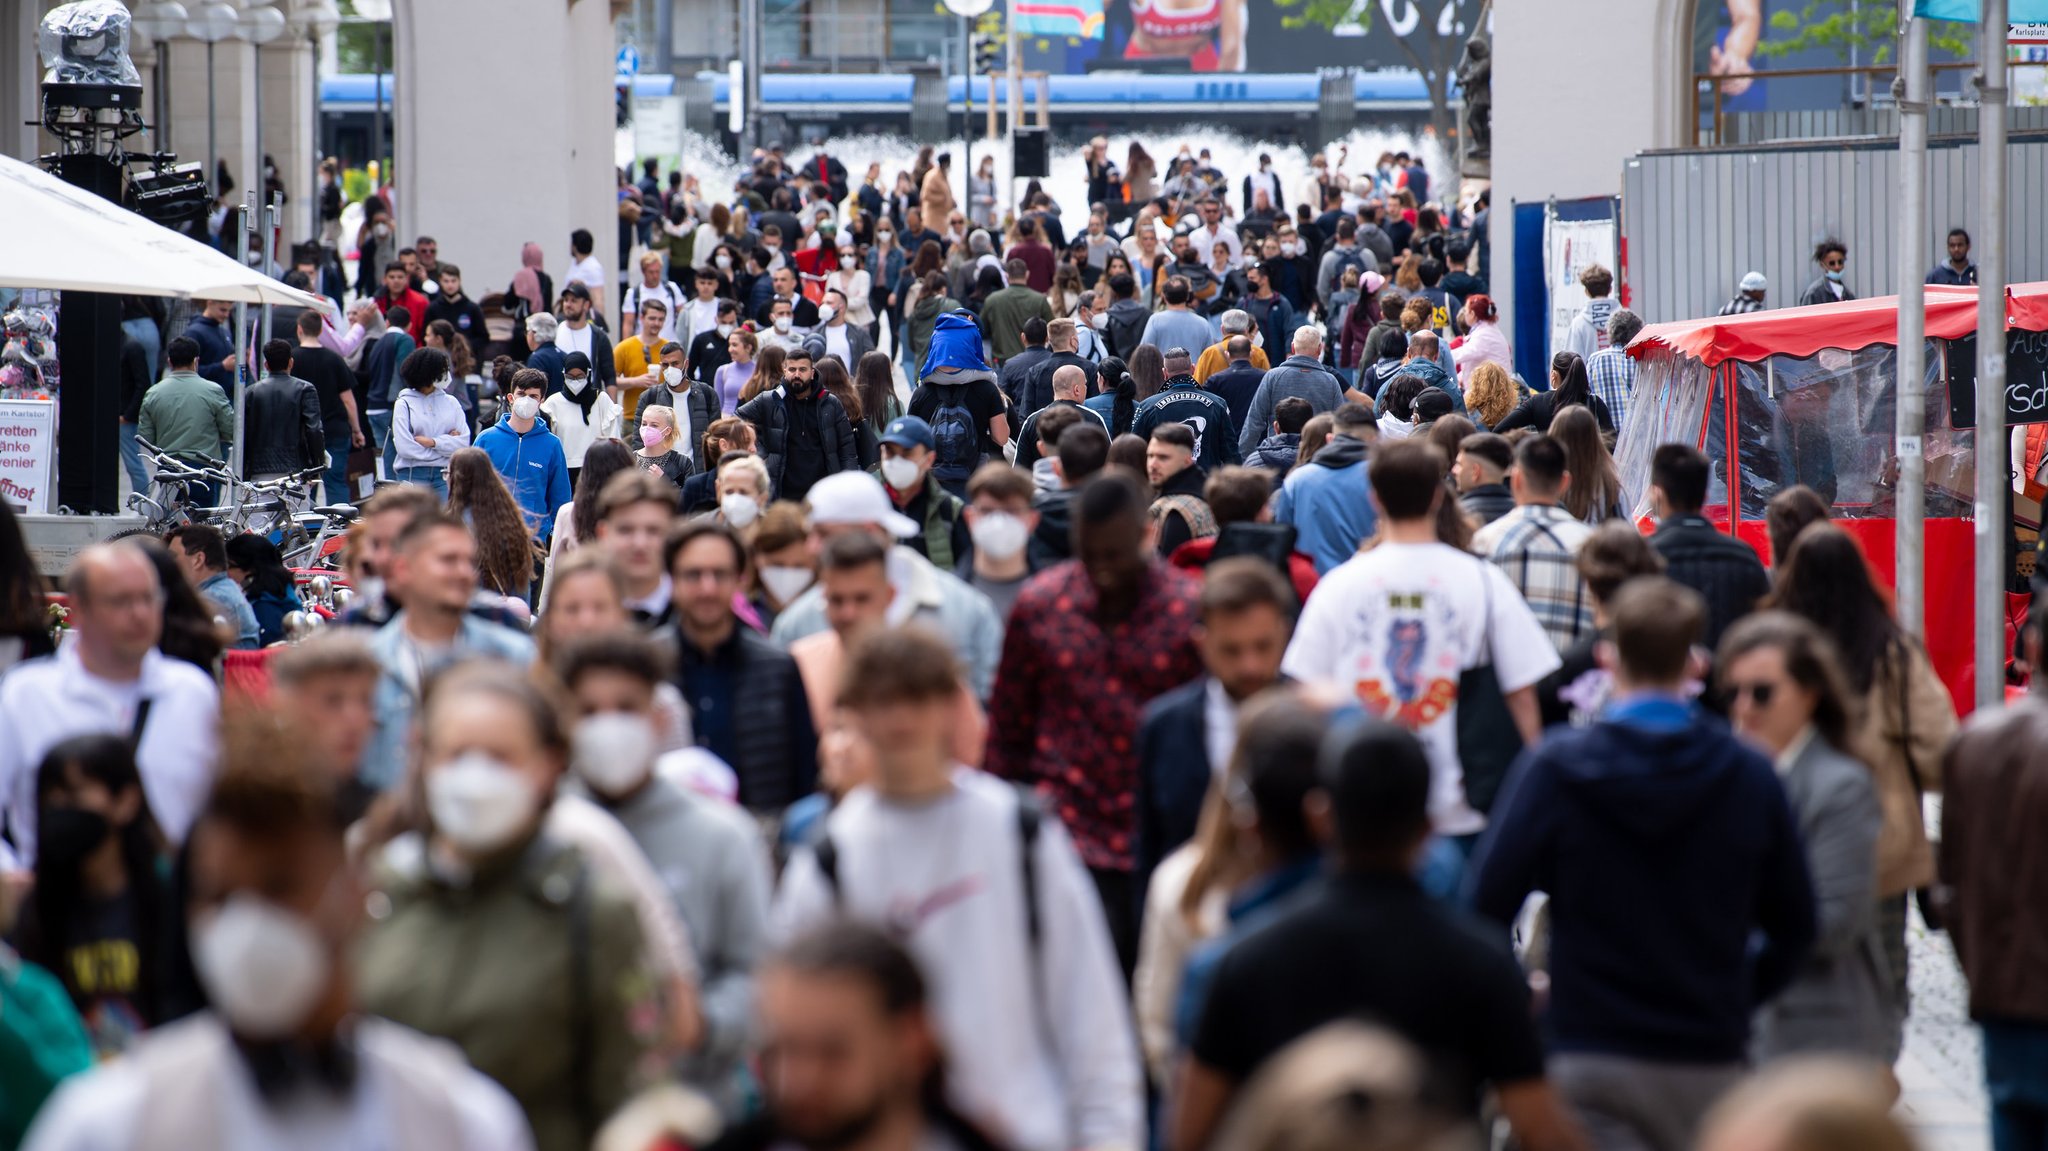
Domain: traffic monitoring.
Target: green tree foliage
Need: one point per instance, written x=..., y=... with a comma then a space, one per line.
x=1870, y=29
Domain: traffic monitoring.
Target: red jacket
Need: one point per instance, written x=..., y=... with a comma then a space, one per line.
x=415, y=304
x=1194, y=556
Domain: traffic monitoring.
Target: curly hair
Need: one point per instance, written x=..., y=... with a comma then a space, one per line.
x=504, y=542
x=1490, y=393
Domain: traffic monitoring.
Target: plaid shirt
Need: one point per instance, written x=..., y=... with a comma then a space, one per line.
x=1538, y=548
x=1613, y=376
x=1741, y=306
x=1071, y=690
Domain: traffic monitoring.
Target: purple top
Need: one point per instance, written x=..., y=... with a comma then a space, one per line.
x=731, y=379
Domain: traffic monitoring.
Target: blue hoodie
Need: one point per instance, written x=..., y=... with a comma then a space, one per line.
x=1328, y=502
x=1679, y=896
x=534, y=467
x=955, y=343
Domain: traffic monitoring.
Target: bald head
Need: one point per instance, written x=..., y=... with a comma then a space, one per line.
x=1307, y=341
x=1070, y=383
x=117, y=607
x=1422, y=345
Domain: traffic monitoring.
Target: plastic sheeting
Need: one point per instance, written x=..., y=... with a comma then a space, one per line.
x=86, y=42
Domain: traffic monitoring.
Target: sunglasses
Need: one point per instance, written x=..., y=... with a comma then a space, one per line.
x=1759, y=694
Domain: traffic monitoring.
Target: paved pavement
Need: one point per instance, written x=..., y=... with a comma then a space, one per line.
x=1941, y=1070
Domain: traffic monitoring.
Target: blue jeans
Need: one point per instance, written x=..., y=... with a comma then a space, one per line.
x=2016, y=1079
x=334, y=481
x=145, y=332
x=380, y=431
x=424, y=477
x=131, y=458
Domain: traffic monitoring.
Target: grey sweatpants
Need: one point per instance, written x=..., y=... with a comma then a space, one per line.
x=1630, y=1104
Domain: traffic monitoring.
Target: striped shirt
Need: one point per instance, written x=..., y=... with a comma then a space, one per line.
x=1613, y=376
x=1537, y=547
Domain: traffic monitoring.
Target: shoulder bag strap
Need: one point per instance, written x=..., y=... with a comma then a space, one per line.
x=141, y=721
x=1486, y=615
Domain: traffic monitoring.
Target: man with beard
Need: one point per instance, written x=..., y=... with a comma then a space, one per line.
x=849, y=1053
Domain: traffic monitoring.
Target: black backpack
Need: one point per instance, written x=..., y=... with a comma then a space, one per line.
x=958, y=442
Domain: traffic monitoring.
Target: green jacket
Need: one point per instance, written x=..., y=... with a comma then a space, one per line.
x=187, y=416
x=494, y=967
x=1003, y=315
x=41, y=1041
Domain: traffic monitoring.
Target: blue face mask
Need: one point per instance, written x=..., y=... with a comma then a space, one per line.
x=1835, y=275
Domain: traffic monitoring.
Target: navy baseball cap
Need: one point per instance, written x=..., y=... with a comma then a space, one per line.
x=909, y=431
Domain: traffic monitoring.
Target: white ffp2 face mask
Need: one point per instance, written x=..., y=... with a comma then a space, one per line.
x=999, y=535
x=575, y=384
x=671, y=376
x=740, y=509
x=263, y=967
x=479, y=803
x=525, y=407
x=900, y=473
x=786, y=583
x=615, y=751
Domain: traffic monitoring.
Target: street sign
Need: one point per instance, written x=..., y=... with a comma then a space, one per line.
x=2026, y=33
x=628, y=62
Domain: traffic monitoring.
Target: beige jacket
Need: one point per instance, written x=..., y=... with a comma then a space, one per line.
x=936, y=199
x=1908, y=712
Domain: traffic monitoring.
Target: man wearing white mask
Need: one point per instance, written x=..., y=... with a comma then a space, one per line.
x=908, y=447
x=528, y=455
x=835, y=336
x=281, y=1058
x=855, y=502
x=706, y=854
x=695, y=404
x=1001, y=517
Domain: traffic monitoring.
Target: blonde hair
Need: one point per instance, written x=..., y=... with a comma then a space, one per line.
x=753, y=467
x=1807, y=1104
x=667, y=419
x=1491, y=393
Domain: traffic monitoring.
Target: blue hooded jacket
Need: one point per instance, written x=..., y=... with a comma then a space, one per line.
x=955, y=343
x=534, y=468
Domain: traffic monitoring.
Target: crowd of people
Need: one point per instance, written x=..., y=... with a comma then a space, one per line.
x=1218, y=706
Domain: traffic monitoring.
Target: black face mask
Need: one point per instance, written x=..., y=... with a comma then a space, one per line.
x=66, y=835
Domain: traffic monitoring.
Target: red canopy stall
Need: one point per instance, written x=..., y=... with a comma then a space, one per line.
x=1808, y=396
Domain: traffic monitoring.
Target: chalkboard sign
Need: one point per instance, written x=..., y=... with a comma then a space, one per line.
x=2026, y=379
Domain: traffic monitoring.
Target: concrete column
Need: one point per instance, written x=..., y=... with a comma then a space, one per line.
x=288, y=132
x=484, y=184
x=1640, y=49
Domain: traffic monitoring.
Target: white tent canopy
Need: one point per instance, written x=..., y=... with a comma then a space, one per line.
x=68, y=239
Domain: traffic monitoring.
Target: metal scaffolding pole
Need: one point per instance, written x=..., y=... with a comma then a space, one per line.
x=1910, y=90
x=1994, y=482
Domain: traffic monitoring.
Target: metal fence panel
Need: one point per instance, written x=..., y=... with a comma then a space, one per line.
x=1695, y=221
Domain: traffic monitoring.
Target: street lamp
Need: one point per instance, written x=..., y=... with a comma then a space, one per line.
x=211, y=23
x=160, y=21
x=968, y=11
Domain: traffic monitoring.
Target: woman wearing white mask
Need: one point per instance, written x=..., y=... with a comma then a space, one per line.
x=779, y=551
x=701, y=491
x=852, y=281
x=582, y=413
x=427, y=424
x=490, y=932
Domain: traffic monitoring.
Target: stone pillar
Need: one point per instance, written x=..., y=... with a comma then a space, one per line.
x=532, y=168
x=288, y=134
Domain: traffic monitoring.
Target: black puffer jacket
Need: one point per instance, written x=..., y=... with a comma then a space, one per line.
x=1723, y=569
x=769, y=413
x=1487, y=502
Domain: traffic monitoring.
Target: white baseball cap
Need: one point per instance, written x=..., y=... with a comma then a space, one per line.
x=856, y=498
x=1754, y=282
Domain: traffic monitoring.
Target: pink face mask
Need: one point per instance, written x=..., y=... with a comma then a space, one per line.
x=650, y=435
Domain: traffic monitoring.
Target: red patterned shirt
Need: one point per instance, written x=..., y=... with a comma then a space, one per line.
x=1071, y=690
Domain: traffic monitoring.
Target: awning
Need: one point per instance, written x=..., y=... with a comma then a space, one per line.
x=67, y=239
x=1800, y=332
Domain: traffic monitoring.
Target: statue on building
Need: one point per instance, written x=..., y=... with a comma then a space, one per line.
x=1475, y=84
